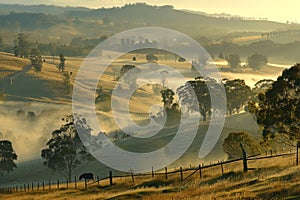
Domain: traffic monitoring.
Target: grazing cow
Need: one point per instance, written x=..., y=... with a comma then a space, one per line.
x=87, y=176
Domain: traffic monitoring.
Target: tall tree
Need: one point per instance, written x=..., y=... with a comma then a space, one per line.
x=234, y=60
x=278, y=109
x=256, y=61
x=36, y=60
x=168, y=97
x=237, y=94
x=236, y=141
x=23, y=46
x=65, y=150
x=61, y=65
x=196, y=95
x=7, y=157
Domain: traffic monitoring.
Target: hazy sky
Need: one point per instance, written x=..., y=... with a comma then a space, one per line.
x=279, y=10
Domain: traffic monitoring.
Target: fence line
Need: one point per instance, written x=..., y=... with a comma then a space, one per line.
x=68, y=185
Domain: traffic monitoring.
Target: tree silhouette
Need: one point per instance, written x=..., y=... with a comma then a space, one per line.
x=23, y=45
x=234, y=60
x=168, y=97
x=65, y=150
x=7, y=157
x=237, y=94
x=278, y=109
x=256, y=61
x=233, y=142
x=151, y=58
x=195, y=94
x=36, y=60
x=61, y=65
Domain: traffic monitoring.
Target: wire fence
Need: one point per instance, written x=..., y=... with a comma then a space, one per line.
x=180, y=173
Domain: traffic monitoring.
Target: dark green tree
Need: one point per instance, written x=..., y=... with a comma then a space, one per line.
x=168, y=97
x=36, y=60
x=237, y=94
x=65, y=151
x=7, y=157
x=23, y=46
x=234, y=60
x=278, y=109
x=195, y=94
x=256, y=61
x=151, y=57
x=232, y=145
x=61, y=65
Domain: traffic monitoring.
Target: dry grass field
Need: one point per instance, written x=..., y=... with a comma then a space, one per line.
x=273, y=178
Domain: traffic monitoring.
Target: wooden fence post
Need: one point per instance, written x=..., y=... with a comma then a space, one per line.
x=132, y=176
x=32, y=186
x=152, y=172
x=181, y=175
x=43, y=185
x=28, y=187
x=166, y=172
x=222, y=167
x=75, y=182
x=110, y=178
x=200, y=171
x=297, y=154
x=98, y=180
x=49, y=185
x=24, y=187
x=38, y=186
x=57, y=184
x=244, y=158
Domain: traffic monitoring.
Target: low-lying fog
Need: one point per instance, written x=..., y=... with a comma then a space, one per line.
x=28, y=125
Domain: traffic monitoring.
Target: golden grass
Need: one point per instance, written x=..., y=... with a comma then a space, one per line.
x=274, y=178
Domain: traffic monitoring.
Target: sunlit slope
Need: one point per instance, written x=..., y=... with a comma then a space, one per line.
x=34, y=171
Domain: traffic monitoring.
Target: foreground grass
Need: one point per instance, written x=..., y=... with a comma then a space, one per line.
x=275, y=178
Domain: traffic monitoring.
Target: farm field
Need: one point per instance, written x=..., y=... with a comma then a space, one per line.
x=276, y=177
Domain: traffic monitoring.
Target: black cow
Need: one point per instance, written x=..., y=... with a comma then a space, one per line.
x=87, y=176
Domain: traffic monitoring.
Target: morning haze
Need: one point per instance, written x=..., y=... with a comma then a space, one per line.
x=220, y=74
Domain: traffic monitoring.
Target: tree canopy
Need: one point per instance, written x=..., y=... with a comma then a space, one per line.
x=278, y=109
x=232, y=145
x=195, y=94
x=36, y=60
x=7, y=157
x=65, y=150
x=256, y=61
x=237, y=94
x=234, y=60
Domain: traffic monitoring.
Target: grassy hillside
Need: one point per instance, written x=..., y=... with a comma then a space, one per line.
x=33, y=171
x=274, y=178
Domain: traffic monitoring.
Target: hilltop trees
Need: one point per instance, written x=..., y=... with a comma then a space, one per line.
x=65, y=150
x=36, y=60
x=235, y=141
x=278, y=109
x=7, y=157
x=256, y=61
x=22, y=46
